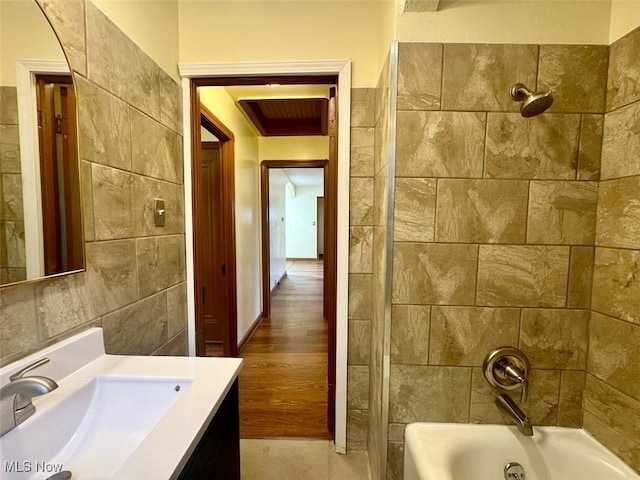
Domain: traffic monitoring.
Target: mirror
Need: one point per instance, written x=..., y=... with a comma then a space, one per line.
x=40, y=218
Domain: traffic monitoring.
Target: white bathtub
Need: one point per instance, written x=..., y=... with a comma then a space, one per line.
x=445, y=451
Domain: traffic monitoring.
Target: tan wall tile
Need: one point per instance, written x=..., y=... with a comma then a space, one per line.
x=178, y=346
x=440, y=144
x=358, y=387
x=621, y=142
x=396, y=432
x=414, y=210
x=68, y=20
x=360, y=296
x=153, y=140
x=86, y=196
x=137, y=329
x=359, y=348
x=410, y=334
x=113, y=194
x=362, y=107
x=442, y=274
x=419, y=76
x=465, y=335
x=170, y=102
x=543, y=147
x=109, y=283
x=160, y=263
x=395, y=461
x=616, y=280
x=19, y=327
x=541, y=406
x=176, y=309
x=357, y=429
x=527, y=276
x=572, y=385
x=361, y=201
x=104, y=126
x=623, y=85
x=443, y=394
x=483, y=211
x=590, y=151
x=478, y=76
x=577, y=76
x=10, y=149
x=562, y=212
x=580, y=277
x=117, y=64
x=16, y=258
x=12, y=200
x=8, y=105
x=619, y=213
x=555, y=339
x=144, y=191
x=614, y=349
x=362, y=152
x=613, y=419
x=361, y=249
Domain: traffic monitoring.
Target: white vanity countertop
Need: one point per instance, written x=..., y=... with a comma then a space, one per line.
x=163, y=453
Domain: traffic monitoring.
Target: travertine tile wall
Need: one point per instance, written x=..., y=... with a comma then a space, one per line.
x=612, y=395
x=130, y=121
x=12, y=251
x=380, y=328
x=494, y=223
x=360, y=266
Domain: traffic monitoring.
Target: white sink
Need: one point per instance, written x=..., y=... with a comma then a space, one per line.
x=92, y=431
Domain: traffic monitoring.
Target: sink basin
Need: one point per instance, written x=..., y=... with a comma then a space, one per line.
x=94, y=429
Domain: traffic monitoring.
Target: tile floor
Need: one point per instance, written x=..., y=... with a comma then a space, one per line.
x=276, y=459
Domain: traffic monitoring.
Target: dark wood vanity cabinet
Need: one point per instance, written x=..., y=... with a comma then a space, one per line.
x=217, y=455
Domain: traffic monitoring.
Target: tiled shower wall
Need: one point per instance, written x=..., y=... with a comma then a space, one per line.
x=13, y=267
x=612, y=396
x=360, y=265
x=131, y=152
x=494, y=223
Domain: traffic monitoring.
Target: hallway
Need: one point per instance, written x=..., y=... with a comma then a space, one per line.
x=283, y=381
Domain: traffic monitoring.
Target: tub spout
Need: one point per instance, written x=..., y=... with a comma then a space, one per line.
x=507, y=405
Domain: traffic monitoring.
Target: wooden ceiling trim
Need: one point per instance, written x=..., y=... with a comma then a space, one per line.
x=289, y=116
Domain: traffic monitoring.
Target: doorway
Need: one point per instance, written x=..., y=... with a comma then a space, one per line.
x=336, y=71
x=214, y=234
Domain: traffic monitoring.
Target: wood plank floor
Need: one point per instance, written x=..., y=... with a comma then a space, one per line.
x=283, y=381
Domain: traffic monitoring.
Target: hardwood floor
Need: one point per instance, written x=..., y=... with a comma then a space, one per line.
x=283, y=381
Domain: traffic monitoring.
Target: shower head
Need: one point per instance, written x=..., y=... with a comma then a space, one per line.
x=533, y=103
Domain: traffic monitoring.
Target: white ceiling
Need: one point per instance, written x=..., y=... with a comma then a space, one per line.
x=305, y=177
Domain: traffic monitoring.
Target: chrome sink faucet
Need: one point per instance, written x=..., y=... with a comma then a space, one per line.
x=507, y=405
x=15, y=396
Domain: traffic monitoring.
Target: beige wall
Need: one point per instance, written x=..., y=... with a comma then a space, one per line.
x=625, y=16
x=247, y=205
x=526, y=21
x=612, y=397
x=231, y=31
x=131, y=152
x=24, y=34
x=294, y=148
x=151, y=24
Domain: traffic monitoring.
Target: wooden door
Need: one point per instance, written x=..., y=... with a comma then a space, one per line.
x=320, y=225
x=211, y=241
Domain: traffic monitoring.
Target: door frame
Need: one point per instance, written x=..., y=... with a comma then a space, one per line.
x=341, y=68
x=202, y=116
x=329, y=284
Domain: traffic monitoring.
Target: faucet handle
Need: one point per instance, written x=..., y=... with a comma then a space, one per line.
x=28, y=368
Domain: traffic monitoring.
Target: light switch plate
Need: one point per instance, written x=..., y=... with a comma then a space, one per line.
x=159, y=213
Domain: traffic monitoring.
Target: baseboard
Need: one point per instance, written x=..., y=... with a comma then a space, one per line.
x=277, y=285
x=247, y=336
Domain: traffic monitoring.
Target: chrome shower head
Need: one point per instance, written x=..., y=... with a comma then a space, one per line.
x=533, y=103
